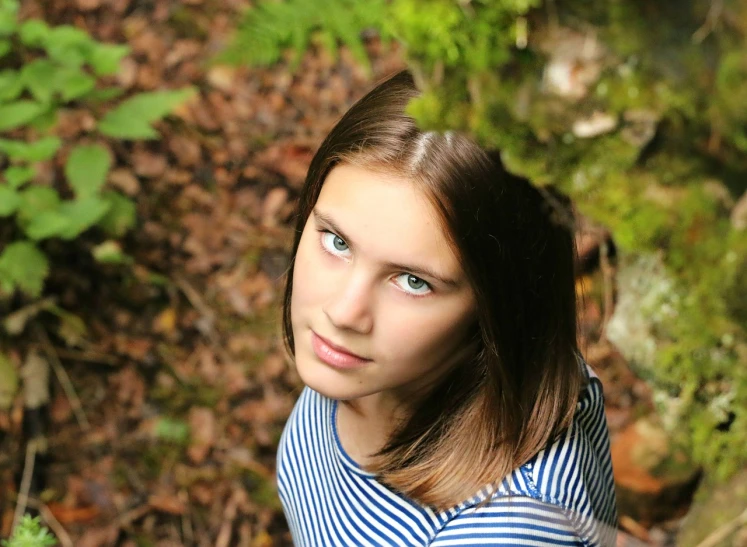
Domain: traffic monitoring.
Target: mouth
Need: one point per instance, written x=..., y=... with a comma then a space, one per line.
x=334, y=355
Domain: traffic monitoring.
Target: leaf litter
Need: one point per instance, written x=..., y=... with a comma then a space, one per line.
x=182, y=372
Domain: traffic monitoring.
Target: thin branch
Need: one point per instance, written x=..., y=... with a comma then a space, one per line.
x=207, y=312
x=28, y=473
x=64, y=380
x=86, y=356
x=712, y=17
x=722, y=532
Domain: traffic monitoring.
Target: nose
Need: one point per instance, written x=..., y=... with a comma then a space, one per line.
x=350, y=306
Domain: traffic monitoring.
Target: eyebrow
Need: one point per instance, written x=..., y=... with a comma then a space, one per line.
x=417, y=270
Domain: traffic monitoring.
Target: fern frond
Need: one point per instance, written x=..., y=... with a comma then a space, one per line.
x=268, y=29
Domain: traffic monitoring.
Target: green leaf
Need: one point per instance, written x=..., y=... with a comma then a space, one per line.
x=11, y=85
x=110, y=252
x=132, y=118
x=23, y=265
x=74, y=84
x=106, y=94
x=168, y=429
x=82, y=214
x=5, y=47
x=45, y=121
x=69, y=46
x=17, y=176
x=48, y=224
x=121, y=216
x=15, y=114
x=36, y=200
x=8, y=382
x=68, y=221
x=9, y=200
x=34, y=33
x=86, y=169
x=39, y=78
x=8, y=17
x=105, y=58
x=41, y=150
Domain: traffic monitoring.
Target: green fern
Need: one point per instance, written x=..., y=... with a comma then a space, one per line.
x=266, y=30
x=30, y=533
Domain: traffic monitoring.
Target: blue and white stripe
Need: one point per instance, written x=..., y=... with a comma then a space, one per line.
x=563, y=496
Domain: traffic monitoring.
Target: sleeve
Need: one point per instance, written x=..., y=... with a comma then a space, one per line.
x=510, y=520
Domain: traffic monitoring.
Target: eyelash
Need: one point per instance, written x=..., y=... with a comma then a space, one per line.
x=411, y=295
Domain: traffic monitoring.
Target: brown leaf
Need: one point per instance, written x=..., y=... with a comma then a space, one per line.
x=273, y=203
x=125, y=181
x=60, y=410
x=72, y=515
x=167, y=503
x=222, y=77
x=235, y=378
x=148, y=164
x=99, y=536
x=187, y=151
x=203, y=428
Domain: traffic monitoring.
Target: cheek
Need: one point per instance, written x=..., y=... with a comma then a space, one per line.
x=424, y=337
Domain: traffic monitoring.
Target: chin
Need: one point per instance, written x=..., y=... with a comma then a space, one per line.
x=328, y=381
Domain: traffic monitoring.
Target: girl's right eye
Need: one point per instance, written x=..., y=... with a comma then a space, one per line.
x=334, y=244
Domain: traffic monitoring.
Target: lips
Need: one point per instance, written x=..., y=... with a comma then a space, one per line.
x=334, y=355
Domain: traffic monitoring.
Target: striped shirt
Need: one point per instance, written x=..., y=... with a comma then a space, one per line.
x=563, y=496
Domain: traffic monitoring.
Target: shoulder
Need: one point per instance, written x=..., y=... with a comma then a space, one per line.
x=515, y=520
x=574, y=473
x=563, y=496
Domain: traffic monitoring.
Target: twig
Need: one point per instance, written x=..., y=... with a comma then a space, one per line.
x=229, y=516
x=86, y=356
x=712, y=17
x=28, y=473
x=194, y=297
x=187, y=530
x=64, y=380
x=723, y=532
x=200, y=305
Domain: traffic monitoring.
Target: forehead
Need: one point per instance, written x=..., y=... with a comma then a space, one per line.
x=387, y=217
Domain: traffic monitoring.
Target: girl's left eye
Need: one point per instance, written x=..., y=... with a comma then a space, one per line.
x=413, y=285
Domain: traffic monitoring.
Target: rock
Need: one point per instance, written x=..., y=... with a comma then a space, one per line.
x=739, y=214
x=718, y=513
x=640, y=126
x=655, y=479
x=575, y=62
x=597, y=124
x=648, y=298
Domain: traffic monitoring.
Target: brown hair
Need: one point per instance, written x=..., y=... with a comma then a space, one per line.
x=519, y=389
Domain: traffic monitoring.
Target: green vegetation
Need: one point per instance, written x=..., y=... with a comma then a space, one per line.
x=45, y=71
x=30, y=533
x=272, y=26
x=638, y=111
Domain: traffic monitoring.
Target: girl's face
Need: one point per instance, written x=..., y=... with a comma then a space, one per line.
x=375, y=276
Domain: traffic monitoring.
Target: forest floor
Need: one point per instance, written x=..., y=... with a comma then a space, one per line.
x=186, y=339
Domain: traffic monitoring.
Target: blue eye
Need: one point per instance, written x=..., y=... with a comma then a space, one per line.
x=334, y=243
x=413, y=285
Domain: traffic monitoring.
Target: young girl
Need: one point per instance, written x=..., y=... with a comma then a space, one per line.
x=431, y=311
